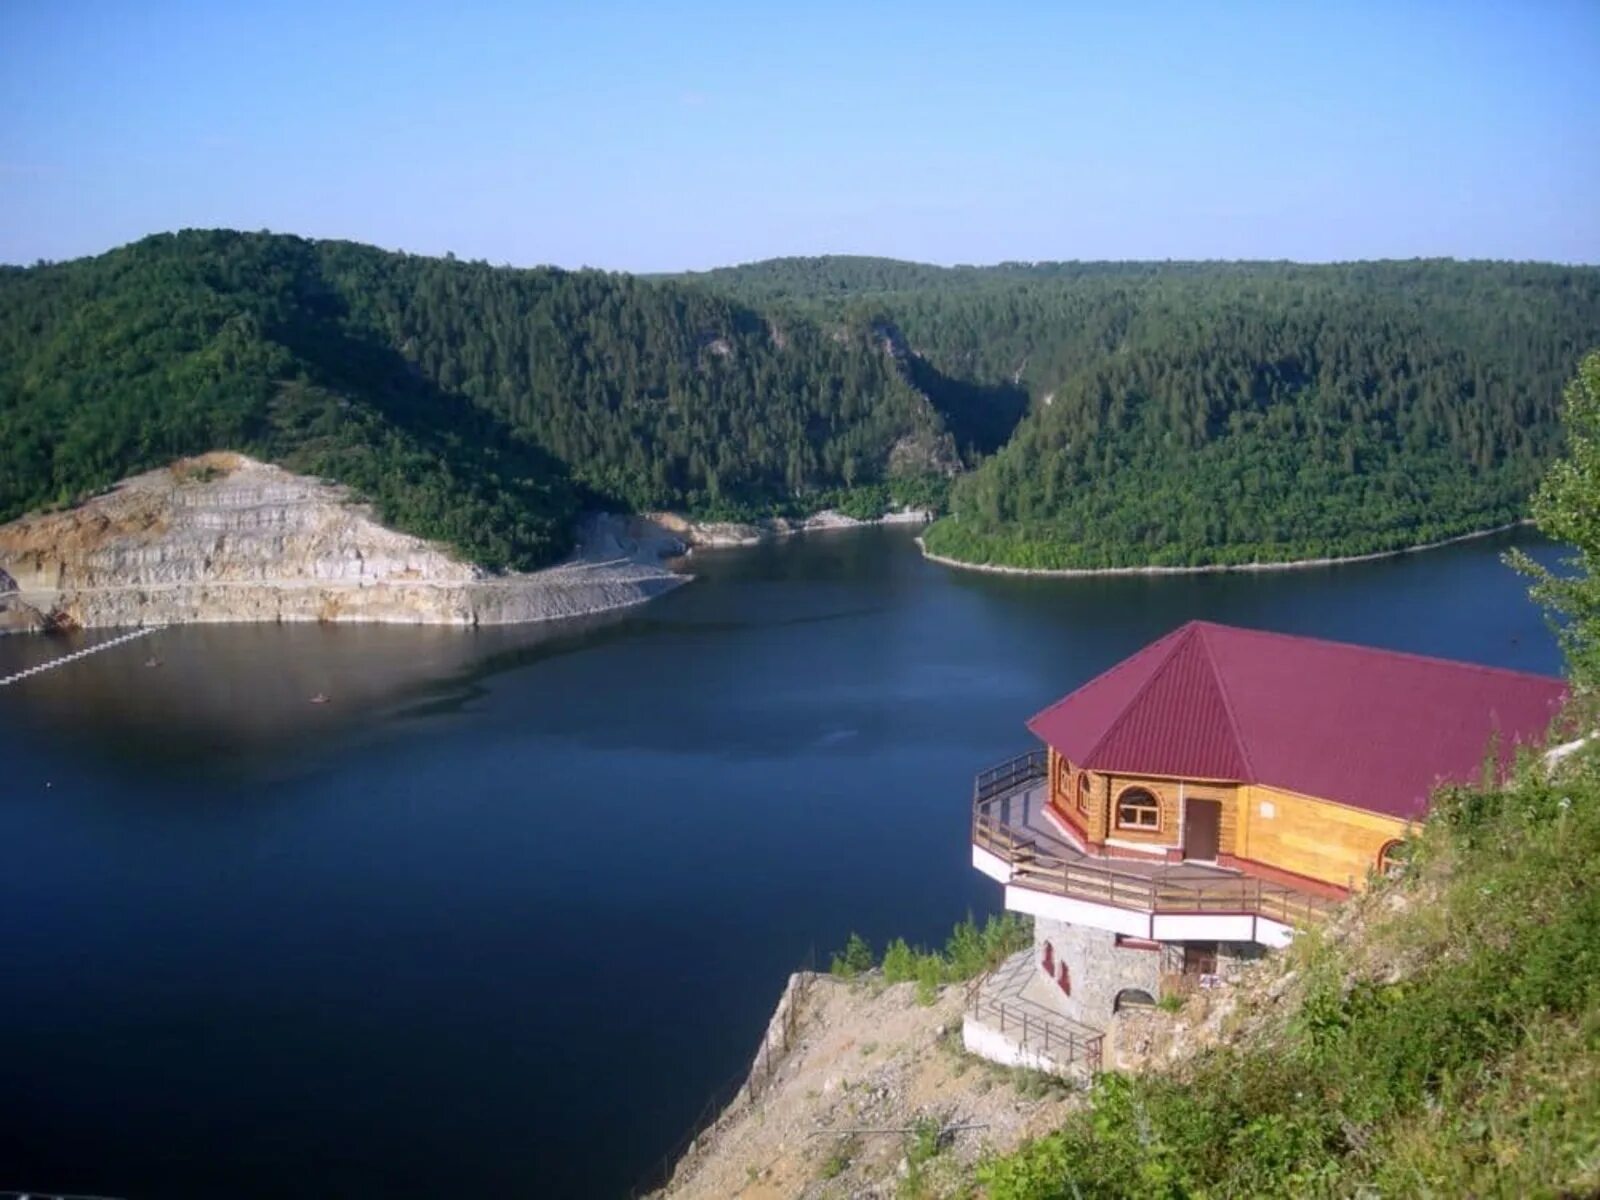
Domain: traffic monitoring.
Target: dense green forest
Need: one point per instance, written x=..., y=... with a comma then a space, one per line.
x=1104, y=413
x=1186, y=413
x=481, y=406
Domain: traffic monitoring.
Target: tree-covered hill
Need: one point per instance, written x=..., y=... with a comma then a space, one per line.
x=1122, y=413
x=481, y=406
x=1187, y=413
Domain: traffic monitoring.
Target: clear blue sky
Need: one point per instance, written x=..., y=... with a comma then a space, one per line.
x=657, y=136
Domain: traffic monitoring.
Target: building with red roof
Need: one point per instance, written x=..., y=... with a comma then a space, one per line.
x=1205, y=796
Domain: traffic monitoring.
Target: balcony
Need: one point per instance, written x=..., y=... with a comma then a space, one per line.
x=1015, y=843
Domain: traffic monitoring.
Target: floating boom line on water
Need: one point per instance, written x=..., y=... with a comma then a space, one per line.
x=76, y=655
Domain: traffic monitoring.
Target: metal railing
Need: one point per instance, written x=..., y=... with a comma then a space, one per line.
x=1048, y=1036
x=1045, y=870
x=1004, y=778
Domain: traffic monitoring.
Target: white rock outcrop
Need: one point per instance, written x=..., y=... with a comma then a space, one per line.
x=719, y=535
x=224, y=537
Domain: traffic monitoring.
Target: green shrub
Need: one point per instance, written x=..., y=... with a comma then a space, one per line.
x=838, y=1162
x=971, y=950
x=855, y=960
x=925, y=1140
x=899, y=962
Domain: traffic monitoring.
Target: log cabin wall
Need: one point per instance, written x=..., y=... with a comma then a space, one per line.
x=1265, y=831
x=1098, y=824
x=1065, y=779
x=1170, y=831
x=1173, y=794
x=1314, y=838
x=1227, y=795
x=1099, y=794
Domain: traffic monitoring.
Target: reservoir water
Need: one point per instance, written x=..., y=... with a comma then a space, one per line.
x=501, y=915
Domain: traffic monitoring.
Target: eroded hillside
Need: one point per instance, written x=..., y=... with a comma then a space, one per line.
x=223, y=537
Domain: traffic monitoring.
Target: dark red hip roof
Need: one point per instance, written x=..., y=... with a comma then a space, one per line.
x=1370, y=728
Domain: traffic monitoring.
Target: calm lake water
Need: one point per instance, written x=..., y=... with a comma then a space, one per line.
x=499, y=918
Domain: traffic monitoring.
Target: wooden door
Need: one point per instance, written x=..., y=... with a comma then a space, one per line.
x=1202, y=829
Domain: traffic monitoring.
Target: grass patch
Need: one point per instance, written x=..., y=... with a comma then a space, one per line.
x=839, y=1158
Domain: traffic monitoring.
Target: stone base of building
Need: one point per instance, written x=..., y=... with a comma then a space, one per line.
x=1011, y=1022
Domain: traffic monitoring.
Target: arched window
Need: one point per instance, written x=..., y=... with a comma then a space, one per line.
x=1064, y=979
x=1392, y=858
x=1083, y=791
x=1132, y=998
x=1048, y=959
x=1138, y=809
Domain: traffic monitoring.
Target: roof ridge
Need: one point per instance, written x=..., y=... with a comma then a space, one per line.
x=1115, y=668
x=1217, y=677
x=1181, y=636
x=1380, y=651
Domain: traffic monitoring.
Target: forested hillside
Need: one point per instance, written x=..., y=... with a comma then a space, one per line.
x=481, y=406
x=1195, y=413
x=1122, y=413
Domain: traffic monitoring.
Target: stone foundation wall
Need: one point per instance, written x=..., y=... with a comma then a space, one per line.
x=1098, y=968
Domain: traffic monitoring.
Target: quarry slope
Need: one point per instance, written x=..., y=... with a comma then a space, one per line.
x=223, y=537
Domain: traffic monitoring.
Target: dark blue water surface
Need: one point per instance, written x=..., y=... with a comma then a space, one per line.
x=501, y=916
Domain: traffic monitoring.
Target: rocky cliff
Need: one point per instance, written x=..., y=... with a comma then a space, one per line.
x=223, y=537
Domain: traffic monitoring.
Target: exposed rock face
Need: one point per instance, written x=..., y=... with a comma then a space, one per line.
x=866, y=1056
x=15, y=615
x=226, y=538
x=717, y=535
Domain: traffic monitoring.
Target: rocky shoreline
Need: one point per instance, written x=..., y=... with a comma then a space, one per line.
x=719, y=535
x=1298, y=564
x=225, y=538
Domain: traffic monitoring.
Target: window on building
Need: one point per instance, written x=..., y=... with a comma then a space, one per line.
x=1392, y=857
x=1064, y=979
x=1138, y=809
x=1083, y=791
x=1048, y=959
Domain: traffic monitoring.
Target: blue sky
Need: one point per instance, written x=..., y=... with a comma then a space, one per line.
x=661, y=136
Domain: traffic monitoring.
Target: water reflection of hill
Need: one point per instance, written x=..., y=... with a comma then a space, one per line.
x=245, y=689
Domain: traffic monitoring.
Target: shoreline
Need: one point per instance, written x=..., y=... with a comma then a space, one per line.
x=1298, y=564
x=729, y=535
x=622, y=561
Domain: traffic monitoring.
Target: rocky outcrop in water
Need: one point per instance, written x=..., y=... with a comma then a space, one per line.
x=223, y=537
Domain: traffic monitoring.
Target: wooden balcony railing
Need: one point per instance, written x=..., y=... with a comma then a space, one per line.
x=1045, y=869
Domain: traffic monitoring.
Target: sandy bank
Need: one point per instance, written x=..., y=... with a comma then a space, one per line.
x=1214, y=568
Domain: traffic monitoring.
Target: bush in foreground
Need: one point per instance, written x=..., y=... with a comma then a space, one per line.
x=971, y=950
